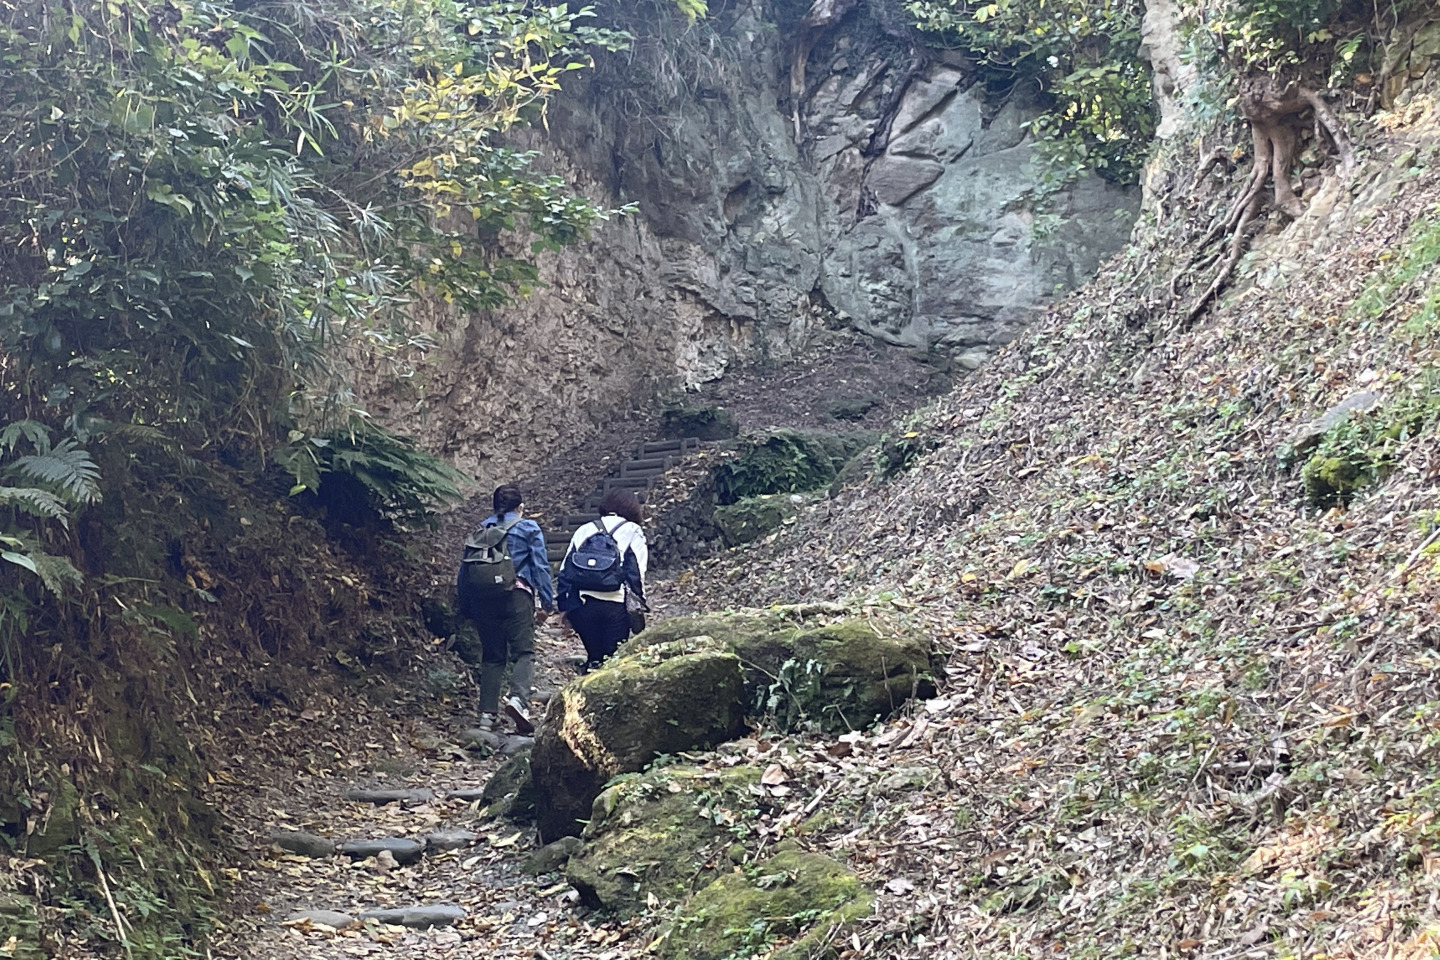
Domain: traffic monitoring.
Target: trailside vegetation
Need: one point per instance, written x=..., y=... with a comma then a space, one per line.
x=210, y=210
x=1080, y=58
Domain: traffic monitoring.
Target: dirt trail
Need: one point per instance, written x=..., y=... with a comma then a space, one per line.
x=298, y=782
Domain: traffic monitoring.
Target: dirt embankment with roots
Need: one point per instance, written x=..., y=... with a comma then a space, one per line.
x=1187, y=570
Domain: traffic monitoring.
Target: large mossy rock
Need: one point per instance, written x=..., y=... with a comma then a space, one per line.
x=786, y=461
x=664, y=833
x=784, y=909
x=751, y=519
x=841, y=675
x=659, y=699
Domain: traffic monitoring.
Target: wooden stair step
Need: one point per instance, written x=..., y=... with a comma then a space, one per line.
x=652, y=447
x=625, y=483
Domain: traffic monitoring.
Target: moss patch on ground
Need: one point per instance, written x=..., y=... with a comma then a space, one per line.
x=838, y=676
x=664, y=833
x=785, y=908
x=751, y=519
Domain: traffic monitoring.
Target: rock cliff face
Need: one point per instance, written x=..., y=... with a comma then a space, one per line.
x=782, y=175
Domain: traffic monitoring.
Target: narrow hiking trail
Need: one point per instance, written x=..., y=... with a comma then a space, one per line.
x=470, y=876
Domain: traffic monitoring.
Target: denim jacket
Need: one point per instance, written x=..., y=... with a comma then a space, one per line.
x=532, y=562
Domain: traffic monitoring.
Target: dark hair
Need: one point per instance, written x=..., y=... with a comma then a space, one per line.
x=507, y=498
x=623, y=503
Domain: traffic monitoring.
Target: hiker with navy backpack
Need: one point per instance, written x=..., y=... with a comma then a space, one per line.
x=503, y=574
x=602, y=578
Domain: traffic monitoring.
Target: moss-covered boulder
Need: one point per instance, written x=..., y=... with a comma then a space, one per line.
x=510, y=791
x=784, y=908
x=665, y=833
x=840, y=675
x=658, y=699
x=751, y=519
x=786, y=461
x=702, y=423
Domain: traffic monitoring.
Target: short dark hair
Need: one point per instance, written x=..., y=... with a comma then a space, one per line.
x=623, y=503
x=507, y=499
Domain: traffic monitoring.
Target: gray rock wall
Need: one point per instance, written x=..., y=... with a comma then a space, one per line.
x=762, y=209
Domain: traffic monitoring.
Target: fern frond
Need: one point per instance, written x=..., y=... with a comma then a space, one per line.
x=37, y=433
x=56, y=573
x=67, y=469
x=35, y=502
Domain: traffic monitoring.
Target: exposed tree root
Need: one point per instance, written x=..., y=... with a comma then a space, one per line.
x=1272, y=112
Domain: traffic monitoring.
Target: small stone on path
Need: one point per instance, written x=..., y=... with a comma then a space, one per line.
x=440, y=914
x=507, y=745
x=402, y=849
x=465, y=794
x=451, y=839
x=326, y=918
x=552, y=856
x=305, y=844
x=365, y=795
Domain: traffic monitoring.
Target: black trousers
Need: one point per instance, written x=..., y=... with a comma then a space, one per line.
x=602, y=624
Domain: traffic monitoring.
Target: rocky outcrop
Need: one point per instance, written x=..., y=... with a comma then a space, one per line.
x=1173, y=76
x=765, y=201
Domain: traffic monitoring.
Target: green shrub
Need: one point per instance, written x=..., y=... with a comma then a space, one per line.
x=786, y=461
x=1083, y=57
x=368, y=472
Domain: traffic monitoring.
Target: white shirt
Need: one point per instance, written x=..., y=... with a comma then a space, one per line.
x=628, y=536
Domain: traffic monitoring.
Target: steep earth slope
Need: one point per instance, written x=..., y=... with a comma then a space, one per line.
x=1189, y=579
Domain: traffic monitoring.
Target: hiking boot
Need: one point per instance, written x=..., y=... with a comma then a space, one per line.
x=515, y=708
x=487, y=722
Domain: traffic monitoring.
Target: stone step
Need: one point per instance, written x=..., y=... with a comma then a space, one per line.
x=645, y=464
x=557, y=536
x=451, y=839
x=402, y=849
x=440, y=914
x=653, y=447
x=626, y=483
x=627, y=472
x=577, y=520
x=333, y=919
x=365, y=795
x=302, y=843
